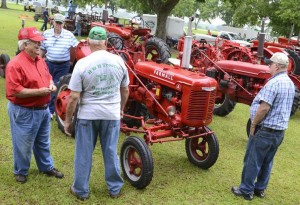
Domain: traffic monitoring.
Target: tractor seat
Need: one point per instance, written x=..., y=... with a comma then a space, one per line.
x=176, y=62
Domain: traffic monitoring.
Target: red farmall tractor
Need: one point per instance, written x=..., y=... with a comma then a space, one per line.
x=180, y=103
x=239, y=71
x=134, y=37
x=4, y=59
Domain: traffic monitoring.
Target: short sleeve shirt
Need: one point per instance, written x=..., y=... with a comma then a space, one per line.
x=58, y=47
x=24, y=72
x=99, y=77
x=279, y=93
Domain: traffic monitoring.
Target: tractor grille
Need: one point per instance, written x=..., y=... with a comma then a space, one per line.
x=201, y=106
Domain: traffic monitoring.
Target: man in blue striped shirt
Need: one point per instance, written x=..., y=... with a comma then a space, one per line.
x=58, y=50
x=269, y=113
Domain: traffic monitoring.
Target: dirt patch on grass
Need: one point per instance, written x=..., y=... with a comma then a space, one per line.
x=26, y=17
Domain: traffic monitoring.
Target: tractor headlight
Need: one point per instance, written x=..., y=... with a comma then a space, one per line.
x=171, y=110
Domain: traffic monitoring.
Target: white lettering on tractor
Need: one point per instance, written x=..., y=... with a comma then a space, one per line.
x=163, y=74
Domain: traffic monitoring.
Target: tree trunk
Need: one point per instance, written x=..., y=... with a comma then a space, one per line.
x=162, y=16
x=161, y=25
x=3, y=4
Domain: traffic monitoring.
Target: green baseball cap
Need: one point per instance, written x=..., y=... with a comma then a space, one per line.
x=97, y=33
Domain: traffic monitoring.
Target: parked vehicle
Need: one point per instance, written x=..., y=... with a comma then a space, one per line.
x=31, y=6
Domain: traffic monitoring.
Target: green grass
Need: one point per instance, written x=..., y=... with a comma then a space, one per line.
x=175, y=180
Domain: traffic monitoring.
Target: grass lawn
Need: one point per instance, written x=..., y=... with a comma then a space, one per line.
x=175, y=180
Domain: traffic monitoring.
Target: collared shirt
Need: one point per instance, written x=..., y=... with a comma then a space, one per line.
x=279, y=93
x=24, y=72
x=58, y=47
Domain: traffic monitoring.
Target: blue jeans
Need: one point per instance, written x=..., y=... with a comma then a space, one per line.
x=44, y=26
x=87, y=132
x=56, y=71
x=77, y=29
x=30, y=130
x=258, y=161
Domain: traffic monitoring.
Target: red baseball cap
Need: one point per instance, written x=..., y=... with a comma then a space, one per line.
x=30, y=33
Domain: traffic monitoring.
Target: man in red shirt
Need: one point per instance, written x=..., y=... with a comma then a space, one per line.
x=28, y=88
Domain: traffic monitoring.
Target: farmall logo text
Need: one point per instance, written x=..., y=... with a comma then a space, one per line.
x=164, y=74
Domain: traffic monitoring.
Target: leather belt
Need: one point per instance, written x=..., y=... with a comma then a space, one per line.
x=269, y=129
x=37, y=108
x=58, y=62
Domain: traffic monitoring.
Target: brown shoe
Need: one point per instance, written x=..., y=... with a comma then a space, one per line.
x=54, y=173
x=21, y=178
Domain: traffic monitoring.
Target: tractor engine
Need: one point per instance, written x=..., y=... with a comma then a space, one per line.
x=241, y=81
x=174, y=95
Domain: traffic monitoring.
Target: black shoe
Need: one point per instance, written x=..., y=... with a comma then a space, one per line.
x=55, y=173
x=236, y=191
x=114, y=196
x=21, y=178
x=259, y=193
x=77, y=196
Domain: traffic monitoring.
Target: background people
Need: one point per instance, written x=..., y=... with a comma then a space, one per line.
x=45, y=17
x=28, y=88
x=103, y=93
x=270, y=112
x=59, y=50
x=78, y=20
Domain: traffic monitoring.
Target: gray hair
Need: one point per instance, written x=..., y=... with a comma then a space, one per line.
x=21, y=44
x=282, y=66
x=96, y=42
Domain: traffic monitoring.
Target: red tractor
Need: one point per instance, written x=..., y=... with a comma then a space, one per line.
x=4, y=59
x=179, y=101
x=238, y=70
x=134, y=37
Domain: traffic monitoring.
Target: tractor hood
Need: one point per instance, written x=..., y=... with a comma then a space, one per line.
x=174, y=77
x=245, y=69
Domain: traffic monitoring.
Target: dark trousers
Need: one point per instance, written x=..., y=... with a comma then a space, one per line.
x=57, y=70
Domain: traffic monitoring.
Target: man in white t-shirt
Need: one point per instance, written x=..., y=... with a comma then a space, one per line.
x=100, y=84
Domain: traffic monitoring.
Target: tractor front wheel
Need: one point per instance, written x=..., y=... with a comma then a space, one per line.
x=61, y=101
x=137, y=162
x=202, y=151
x=155, y=49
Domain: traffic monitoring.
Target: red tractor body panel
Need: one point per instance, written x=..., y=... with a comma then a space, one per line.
x=246, y=69
x=197, y=91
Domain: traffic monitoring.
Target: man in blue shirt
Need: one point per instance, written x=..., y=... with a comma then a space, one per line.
x=269, y=113
x=58, y=49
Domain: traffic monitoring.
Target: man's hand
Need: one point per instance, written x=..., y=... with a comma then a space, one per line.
x=67, y=128
x=252, y=129
x=52, y=87
x=44, y=91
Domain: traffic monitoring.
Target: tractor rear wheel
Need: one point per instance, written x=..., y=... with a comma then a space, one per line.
x=137, y=162
x=114, y=40
x=61, y=100
x=4, y=59
x=224, y=107
x=203, y=151
x=155, y=49
x=296, y=60
x=296, y=102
